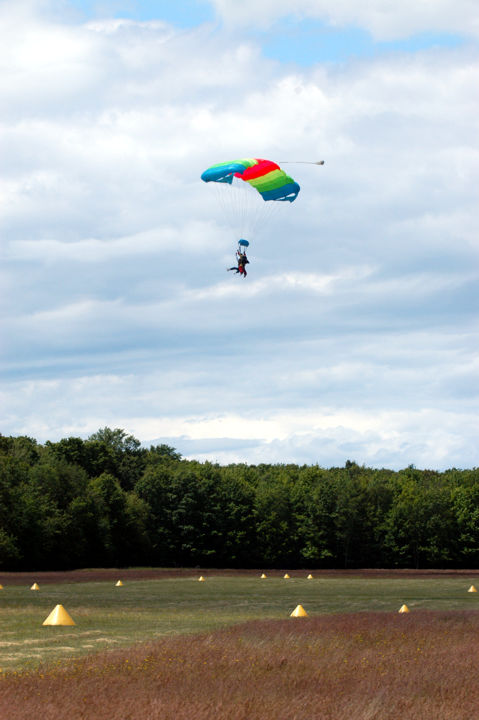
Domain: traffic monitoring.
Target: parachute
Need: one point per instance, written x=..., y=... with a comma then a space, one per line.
x=265, y=176
x=248, y=191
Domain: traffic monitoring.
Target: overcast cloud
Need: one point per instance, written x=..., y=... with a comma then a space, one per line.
x=355, y=334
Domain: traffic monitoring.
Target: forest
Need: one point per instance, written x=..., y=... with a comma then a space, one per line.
x=109, y=502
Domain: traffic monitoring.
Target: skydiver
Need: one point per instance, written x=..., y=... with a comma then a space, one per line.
x=242, y=262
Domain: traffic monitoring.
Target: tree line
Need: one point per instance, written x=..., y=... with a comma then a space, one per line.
x=109, y=502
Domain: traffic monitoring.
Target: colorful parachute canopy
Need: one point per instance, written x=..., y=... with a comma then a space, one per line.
x=265, y=176
x=243, y=243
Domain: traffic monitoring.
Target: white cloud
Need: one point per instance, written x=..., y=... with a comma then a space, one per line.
x=427, y=437
x=384, y=19
x=152, y=242
x=354, y=333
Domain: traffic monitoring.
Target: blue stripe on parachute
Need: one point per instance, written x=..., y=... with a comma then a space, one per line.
x=224, y=173
x=288, y=192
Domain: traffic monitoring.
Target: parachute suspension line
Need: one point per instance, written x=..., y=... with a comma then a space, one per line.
x=250, y=210
x=254, y=188
x=224, y=201
x=240, y=206
x=301, y=162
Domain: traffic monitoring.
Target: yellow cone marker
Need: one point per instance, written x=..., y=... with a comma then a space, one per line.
x=310, y=577
x=35, y=587
x=472, y=589
x=286, y=576
x=201, y=579
x=263, y=576
x=299, y=611
x=119, y=584
x=403, y=609
x=59, y=616
x=1, y=586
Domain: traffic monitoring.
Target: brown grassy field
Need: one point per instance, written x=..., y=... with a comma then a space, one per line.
x=360, y=666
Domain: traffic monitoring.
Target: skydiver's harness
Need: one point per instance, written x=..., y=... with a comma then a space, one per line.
x=242, y=259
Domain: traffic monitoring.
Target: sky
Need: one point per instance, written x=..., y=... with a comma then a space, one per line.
x=354, y=336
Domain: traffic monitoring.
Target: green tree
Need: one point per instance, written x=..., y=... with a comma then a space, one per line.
x=117, y=453
x=153, y=489
x=12, y=474
x=314, y=508
x=72, y=450
x=351, y=515
x=275, y=530
x=235, y=526
x=465, y=506
x=110, y=519
x=420, y=525
x=21, y=448
x=162, y=453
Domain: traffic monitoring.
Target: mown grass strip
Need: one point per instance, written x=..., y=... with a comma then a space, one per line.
x=107, y=616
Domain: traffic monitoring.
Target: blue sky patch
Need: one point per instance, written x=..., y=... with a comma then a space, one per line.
x=182, y=13
x=304, y=42
x=309, y=41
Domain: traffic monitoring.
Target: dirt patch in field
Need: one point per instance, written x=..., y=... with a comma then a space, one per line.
x=110, y=574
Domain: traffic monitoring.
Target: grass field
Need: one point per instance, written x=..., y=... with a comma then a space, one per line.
x=226, y=648
x=109, y=617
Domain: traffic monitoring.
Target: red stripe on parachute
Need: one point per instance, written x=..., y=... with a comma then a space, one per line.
x=263, y=167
